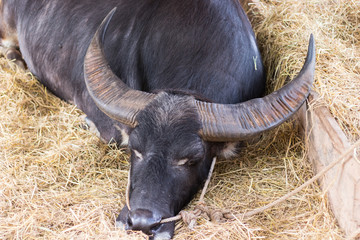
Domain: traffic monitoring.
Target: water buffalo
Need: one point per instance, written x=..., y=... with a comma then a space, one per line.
x=176, y=81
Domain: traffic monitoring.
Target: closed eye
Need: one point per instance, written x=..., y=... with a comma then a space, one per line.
x=182, y=162
x=138, y=155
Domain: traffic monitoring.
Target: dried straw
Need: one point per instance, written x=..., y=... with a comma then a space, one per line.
x=58, y=181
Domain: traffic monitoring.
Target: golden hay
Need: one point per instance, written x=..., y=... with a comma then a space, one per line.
x=58, y=181
x=283, y=29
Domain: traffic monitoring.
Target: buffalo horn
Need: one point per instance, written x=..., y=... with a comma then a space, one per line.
x=108, y=91
x=234, y=122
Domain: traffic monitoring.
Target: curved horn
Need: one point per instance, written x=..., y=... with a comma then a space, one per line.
x=108, y=91
x=234, y=122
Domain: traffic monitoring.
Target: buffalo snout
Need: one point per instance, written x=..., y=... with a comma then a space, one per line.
x=147, y=221
x=144, y=220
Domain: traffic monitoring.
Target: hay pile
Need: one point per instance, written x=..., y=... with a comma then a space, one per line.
x=58, y=181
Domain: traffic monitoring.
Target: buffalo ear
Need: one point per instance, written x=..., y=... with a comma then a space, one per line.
x=108, y=91
x=235, y=122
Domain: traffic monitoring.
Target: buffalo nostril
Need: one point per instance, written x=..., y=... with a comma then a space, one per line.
x=129, y=223
x=143, y=219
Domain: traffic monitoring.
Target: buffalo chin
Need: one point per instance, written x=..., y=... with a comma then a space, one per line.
x=161, y=232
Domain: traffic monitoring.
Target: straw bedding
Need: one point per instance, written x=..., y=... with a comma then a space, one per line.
x=58, y=181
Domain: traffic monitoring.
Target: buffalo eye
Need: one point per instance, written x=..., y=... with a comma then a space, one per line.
x=182, y=162
x=138, y=155
x=187, y=161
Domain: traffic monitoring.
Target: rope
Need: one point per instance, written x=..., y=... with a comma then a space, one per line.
x=344, y=156
x=221, y=215
x=128, y=190
x=216, y=215
x=183, y=214
x=201, y=199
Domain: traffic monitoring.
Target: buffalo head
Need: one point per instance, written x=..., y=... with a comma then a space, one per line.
x=175, y=136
